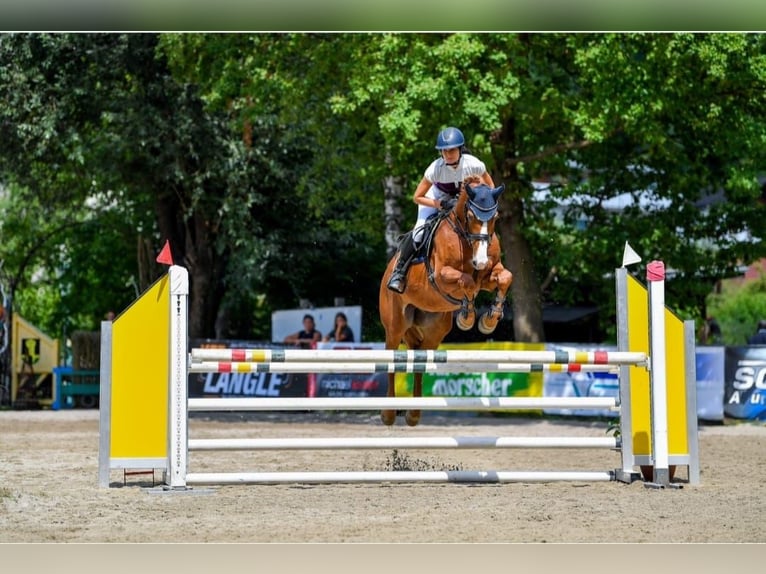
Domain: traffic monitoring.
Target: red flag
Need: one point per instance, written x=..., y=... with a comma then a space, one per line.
x=165, y=256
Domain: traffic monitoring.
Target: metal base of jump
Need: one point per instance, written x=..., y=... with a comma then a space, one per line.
x=394, y=476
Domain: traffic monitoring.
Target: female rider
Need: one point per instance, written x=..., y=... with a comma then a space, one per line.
x=438, y=189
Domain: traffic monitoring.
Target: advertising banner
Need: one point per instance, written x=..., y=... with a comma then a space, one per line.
x=349, y=385
x=745, y=383
x=709, y=384
x=288, y=321
x=245, y=384
x=710, y=362
x=478, y=384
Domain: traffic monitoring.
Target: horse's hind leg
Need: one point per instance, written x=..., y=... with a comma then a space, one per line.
x=412, y=417
x=433, y=333
x=394, y=322
x=389, y=416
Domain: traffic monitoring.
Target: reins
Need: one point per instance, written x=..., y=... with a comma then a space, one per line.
x=460, y=232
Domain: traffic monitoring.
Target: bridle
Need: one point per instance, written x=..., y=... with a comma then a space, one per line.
x=454, y=222
x=471, y=238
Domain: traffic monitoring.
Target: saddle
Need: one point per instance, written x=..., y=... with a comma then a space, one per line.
x=429, y=232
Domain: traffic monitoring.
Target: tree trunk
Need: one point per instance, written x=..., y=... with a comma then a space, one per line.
x=393, y=191
x=525, y=289
x=192, y=244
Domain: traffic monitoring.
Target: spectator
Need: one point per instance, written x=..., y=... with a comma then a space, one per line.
x=760, y=335
x=307, y=337
x=341, y=332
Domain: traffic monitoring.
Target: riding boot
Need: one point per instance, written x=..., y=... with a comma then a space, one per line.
x=407, y=249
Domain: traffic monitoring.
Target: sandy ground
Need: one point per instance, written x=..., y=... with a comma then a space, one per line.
x=49, y=487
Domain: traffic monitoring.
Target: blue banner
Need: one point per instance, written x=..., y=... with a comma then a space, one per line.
x=245, y=384
x=745, y=383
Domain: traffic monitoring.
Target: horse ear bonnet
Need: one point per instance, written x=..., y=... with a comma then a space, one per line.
x=482, y=200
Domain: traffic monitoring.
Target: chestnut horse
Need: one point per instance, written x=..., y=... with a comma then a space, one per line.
x=463, y=258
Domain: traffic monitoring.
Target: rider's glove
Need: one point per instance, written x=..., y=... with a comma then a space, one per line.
x=447, y=203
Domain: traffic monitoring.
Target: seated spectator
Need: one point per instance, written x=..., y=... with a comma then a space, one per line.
x=341, y=332
x=307, y=337
x=760, y=335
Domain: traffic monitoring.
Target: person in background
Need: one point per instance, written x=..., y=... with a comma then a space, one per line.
x=760, y=335
x=341, y=332
x=307, y=337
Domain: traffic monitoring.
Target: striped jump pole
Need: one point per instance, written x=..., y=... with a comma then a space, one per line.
x=410, y=356
x=367, y=368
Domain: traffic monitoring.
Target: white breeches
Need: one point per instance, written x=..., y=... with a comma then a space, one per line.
x=424, y=213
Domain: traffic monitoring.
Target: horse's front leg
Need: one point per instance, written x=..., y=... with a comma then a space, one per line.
x=500, y=281
x=451, y=276
x=467, y=316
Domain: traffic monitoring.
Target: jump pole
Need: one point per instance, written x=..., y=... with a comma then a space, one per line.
x=402, y=367
x=451, y=356
x=367, y=443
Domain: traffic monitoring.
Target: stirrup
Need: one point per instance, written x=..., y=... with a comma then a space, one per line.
x=396, y=284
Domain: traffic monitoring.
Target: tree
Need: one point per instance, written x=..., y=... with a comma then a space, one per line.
x=677, y=117
x=277, y=164
x=99, y=118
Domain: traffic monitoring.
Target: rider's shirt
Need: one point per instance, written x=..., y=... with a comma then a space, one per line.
x=447, y=179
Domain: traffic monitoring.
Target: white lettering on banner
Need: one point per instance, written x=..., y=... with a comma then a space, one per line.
x=251, y=386
x=754, y=399
x=213, y=385
x=335, y=384
x=476, y=387
x=275, y=381
x=248, y=384
x=746, y=377
x=235, y=383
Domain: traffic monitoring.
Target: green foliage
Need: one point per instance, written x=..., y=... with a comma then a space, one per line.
x=261, y=156
x=738, y=310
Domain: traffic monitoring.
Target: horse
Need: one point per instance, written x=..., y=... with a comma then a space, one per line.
x=463, y=257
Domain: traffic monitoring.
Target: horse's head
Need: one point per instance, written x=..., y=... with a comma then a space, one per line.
x=479, y=214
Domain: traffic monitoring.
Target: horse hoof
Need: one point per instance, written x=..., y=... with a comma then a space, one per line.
x=388, y=417
x=485, y=328
x=465, y=323
x=412, y=418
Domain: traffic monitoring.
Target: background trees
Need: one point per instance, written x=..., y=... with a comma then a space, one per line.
x=281, y=166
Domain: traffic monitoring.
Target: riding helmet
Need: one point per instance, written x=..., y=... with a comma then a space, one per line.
x=449, y=138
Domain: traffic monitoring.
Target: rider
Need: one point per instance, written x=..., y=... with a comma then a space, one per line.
x=438, y=189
